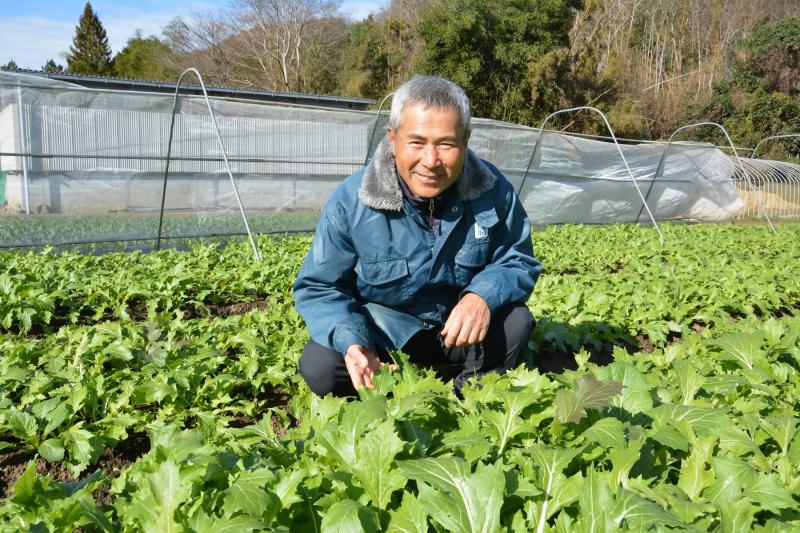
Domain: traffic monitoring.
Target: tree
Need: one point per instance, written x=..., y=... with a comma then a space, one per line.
x=52, y=66
x=145, y=58
x=11, y=65
x=89, y=53
x=365, y=62
x=503, y=52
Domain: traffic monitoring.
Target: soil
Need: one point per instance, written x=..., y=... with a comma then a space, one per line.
x=13, y=464
x=559, y=361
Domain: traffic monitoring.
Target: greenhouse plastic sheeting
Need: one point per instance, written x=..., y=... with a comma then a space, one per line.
x=88, y=166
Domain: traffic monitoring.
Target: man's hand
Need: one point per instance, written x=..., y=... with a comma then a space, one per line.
x=362, y=363
x=468, y=322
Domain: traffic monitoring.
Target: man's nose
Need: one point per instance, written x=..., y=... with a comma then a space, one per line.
x=430, y=156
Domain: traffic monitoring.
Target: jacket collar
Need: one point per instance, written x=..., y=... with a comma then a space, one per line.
x=381, y=190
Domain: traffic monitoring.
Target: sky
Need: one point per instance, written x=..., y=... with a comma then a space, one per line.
x=33, y=31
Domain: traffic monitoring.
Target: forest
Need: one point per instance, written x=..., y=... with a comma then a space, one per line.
x=650, y=66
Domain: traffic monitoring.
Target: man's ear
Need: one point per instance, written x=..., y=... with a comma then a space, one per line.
x=390, y=134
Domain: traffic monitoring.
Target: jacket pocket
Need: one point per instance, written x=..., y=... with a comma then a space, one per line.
x=474, y=254
x=377, y=272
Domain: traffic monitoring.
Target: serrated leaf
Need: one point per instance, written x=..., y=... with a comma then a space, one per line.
x=767, y=492
x=587, y=393
x=410, y=517
x=634, y=511
x=694, y=477
x=737, y=516
x=167, y=493
x=375, y=453
x=52, y=450
x=23, y=425
x=689, y=380
x=731, y=475
x=635, y=395
x=248, y=497
x=782, y=429
x=348, y=516
x=507, y=422
x=608, y=432
x=459, y=500
x=702, y=420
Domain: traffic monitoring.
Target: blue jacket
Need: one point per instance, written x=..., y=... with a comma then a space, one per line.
x=376, y=274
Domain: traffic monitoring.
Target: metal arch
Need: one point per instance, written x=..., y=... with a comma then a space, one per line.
x=224, y=156
x=613, y=137
x=660, y=168
x=375, y=126
x=770, y=138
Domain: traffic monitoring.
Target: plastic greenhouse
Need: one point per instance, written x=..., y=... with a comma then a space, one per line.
x=81, y=166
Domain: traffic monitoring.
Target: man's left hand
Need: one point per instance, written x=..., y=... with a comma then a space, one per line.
x=468, y=322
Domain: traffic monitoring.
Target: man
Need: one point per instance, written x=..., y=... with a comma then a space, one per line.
x=426, y=250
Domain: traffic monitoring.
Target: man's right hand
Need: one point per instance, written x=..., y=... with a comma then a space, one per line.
x=362, y=363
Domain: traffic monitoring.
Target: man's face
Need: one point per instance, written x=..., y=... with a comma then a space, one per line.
x=429, y=149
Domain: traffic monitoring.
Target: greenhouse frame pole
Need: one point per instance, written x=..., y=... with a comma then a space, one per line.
x=224, y=156
x=770, y=138
x=613, y=137
x=375, y=127
x=26, y=193
x=660, y=168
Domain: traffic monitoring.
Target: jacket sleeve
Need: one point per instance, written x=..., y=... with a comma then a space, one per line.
x=325, y=288
x=512, y=269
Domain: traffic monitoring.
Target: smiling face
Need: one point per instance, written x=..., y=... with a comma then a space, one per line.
x=429, y=148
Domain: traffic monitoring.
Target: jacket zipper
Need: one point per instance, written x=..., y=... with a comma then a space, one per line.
x=430, y=213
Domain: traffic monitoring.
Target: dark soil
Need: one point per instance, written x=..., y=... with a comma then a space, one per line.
x=13, y=464
x=559, y=361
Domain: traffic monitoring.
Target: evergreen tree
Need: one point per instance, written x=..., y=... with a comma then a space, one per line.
x=145, y=58
x=52, y=66
x=89, y=53
x=11, y=65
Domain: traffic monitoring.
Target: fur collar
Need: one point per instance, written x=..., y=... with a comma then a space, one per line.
x=380, y=189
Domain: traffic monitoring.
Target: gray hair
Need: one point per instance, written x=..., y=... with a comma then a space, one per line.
x=430, y=91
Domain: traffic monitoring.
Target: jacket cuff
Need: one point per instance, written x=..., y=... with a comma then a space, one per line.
x=488, y=292
x=343, y=338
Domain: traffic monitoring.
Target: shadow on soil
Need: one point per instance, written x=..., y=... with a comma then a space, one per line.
x=554, y=344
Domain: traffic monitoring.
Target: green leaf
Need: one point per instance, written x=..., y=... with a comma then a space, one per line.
x=639, y=513
x=635, y=396
x=52, y=450
x=743, y=348
x=782, y=429
x=26, y=486
x=248, y=497
x=348, y=516
x=168, y=493
x=507, y=423
x=702, y=420
x=23, y=425
x=459, y=500
x=375, y=453
x=769, y=494
x=558, y=490
x=587, y=393
x=694, y=477
x=596, y=501
x=732, y=475
x=689, y=380
x=608, y=432
x=79, y=444
x=410, y=517
x=737, y=515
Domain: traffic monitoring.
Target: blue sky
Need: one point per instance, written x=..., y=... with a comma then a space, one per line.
x=33, y=31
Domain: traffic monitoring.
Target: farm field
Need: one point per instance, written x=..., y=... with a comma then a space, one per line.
x=158, y=392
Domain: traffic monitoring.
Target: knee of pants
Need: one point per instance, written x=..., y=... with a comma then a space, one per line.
x=318, y=373
x=519, y=324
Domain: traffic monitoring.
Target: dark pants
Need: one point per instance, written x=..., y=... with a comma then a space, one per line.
x=502, y=349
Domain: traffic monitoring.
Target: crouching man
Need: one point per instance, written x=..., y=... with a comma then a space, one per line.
x=427, y=250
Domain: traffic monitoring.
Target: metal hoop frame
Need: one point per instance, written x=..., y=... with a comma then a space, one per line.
x=224, y=156
x=660, y=168
x=613, y=137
